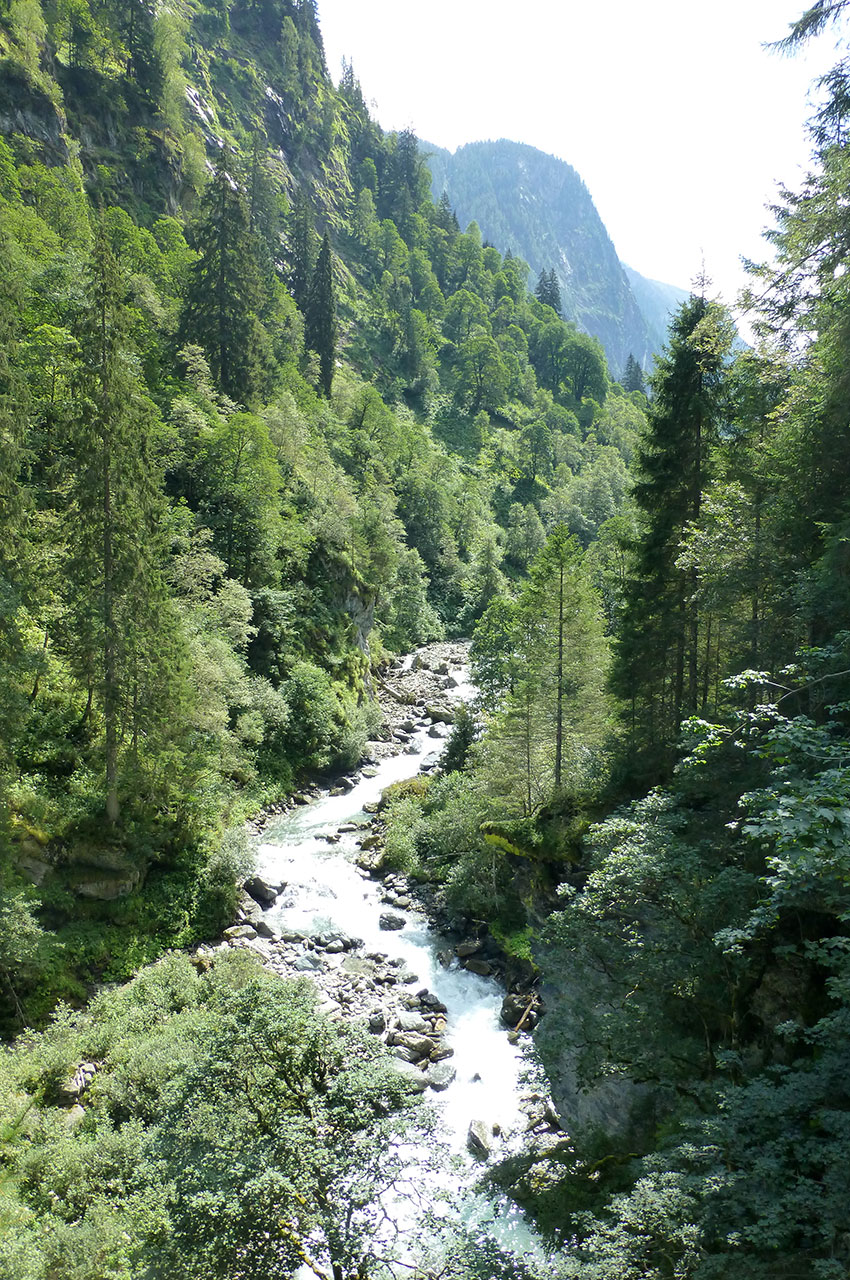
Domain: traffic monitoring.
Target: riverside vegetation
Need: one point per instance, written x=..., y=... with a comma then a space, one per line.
x=268, y=415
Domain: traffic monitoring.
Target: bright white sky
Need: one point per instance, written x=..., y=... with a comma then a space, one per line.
x=677, y=119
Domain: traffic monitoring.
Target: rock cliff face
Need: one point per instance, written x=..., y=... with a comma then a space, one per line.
x=615, y=1113
x=538, y=207
x=27, y=109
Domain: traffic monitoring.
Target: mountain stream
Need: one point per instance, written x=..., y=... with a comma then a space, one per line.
x=326, y=893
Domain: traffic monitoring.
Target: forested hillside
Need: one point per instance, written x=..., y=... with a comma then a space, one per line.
x=538, y=207
x=270, y=416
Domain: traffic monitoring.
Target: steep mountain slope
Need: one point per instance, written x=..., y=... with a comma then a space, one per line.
x=538, y=207
x=657, y=302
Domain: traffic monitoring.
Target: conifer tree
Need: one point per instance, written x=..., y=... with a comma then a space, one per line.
x=632, y=379
x=120, y=633
x=302, y=251
x=548, y=291
x=550, y=656
x=657, y=663
x=566, y=656
x=554, y=292
x=224, y=291
x=13, y=497
x=12, y=417
x=445, y=216
x=320, y=317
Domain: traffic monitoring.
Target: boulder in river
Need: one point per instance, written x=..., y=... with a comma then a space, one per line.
x=390, y=921
x=440, y=1075
x=261, y=891
x=429, y=1001
x=479, y=1139
x=440, y=714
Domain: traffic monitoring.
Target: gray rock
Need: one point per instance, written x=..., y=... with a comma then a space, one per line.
x=389, y=921
x=412, y=1022
x=548, y=1144
x=404, y=1054
x=261, y=891
x=264, y=930
x=35, y=869
x=440, y=1076
x=377, y=1021
x=104, y=884
x=419, y=1044
x=79, y=1081
x=442, y=1051
x=481, y=967
x=307, y=962
x=479, y=1139
x=237, y=931
x=468, y=948
x=431, y=1002
x=441, y=714
x=412, y=1074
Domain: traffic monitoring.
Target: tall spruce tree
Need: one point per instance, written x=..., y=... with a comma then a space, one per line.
x=320, y=317
x=548, y=291
x=632, y=379
x=14, y=499
x=656, y=671
x=120, y=634
x=549, y=655
x=302, y=249
x=224, y=292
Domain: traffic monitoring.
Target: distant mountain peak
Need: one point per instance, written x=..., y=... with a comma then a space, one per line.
x=538, y=206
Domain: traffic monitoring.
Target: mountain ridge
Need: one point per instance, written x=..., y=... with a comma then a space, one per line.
x=538, y=206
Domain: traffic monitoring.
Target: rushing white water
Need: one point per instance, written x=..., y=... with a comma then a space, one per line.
x=326, y=891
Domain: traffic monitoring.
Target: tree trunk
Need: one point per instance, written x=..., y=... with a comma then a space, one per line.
x=559, y=708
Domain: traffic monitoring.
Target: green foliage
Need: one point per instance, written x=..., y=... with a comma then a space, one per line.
x=226, y=1125
x=664, y=663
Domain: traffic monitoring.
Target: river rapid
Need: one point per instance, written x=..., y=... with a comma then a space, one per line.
x=372, y=971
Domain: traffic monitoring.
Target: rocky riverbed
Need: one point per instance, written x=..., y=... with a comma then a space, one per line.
x=355, y=978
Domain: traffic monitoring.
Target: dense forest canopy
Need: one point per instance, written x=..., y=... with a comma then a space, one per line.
x=269, y=416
